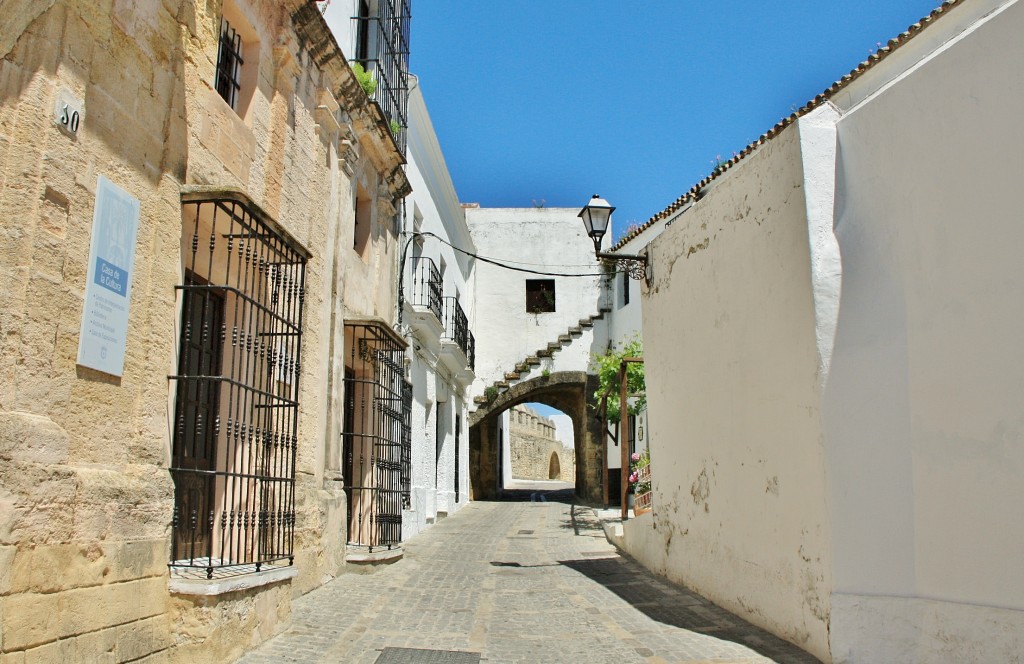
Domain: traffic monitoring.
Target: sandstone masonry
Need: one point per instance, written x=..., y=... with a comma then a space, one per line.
x=535, y=451
x=86, y=500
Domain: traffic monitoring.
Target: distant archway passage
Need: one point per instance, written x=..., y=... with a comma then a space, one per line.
x=554, y=468
x=566, y=391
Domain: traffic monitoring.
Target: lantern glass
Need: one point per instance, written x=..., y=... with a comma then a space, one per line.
x=596, y=216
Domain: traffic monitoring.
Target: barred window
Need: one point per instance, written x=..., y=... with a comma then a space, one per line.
x=377, y=435
x=236, y=387
x=229, y=64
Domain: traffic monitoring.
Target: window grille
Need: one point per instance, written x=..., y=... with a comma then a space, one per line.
x=382, y=45
x=377, y=435
x=427, y=289
x=229, y=64
x=236, y=406
x=456, y=325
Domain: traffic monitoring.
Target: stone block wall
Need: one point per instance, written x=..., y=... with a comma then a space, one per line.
x=535, y=452
x=86, y=499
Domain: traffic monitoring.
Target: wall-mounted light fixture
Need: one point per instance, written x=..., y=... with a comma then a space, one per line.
x=596, y=216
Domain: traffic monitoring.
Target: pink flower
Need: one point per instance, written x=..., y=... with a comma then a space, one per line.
x=633, y=478
x=636, y=456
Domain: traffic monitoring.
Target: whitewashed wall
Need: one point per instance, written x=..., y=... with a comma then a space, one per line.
x=731, y=359
x=433, y=207
x=546, y=240
x=925, y=426
x=625, y=321
x=834, y=365
x=338, y=15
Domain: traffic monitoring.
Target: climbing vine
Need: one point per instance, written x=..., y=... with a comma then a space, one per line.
x=607, y=369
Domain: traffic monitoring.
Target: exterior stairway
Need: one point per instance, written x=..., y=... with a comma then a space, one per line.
x=530, y=362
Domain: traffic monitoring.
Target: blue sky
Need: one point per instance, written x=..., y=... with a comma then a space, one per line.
x=554, y=101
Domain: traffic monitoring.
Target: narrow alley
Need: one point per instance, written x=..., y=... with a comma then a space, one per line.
x=529, y=581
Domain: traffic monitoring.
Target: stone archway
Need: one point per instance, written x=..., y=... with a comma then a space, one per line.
x=566, y=391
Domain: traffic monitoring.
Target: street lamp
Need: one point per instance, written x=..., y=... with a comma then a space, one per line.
x=596, y=216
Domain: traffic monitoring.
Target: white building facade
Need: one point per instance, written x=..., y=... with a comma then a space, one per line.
x=438, y=290
x=833, y=361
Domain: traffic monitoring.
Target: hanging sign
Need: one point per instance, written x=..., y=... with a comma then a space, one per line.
x=108, y=286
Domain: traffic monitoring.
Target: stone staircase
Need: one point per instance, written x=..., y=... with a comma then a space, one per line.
x=530, y=362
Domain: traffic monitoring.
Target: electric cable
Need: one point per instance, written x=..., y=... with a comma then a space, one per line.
x=492, y=261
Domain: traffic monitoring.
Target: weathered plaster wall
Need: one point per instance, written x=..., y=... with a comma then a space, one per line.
x=924, y=423
x=737, y=460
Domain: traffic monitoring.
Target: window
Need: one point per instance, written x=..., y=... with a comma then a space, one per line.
x=229, y=64
x=237, y=59
x=236, y=387
x=625, y=288
x=540, y=295
x=377, y=435
x=363, y=34
x=364, y=216
x=382, y=46
x=458, y=435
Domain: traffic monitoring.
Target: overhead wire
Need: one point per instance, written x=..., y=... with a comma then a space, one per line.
x=506, y=266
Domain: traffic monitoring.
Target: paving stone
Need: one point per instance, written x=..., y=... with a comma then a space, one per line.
x=515, y=582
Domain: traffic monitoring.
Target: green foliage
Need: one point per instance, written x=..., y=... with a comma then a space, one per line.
x=607, y=369
x=546, y=372
x=365, y=78
x=396, y=128
x=491, y=393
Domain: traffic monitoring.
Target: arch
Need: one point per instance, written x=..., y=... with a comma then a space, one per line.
x=554, y=467
x=565, y=391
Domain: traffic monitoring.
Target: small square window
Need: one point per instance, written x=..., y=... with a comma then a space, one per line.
x=540, y=295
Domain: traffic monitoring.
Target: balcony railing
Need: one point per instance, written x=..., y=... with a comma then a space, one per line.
x=427, y=289
x=456, y=325
x=471, y=353
x=383, y=47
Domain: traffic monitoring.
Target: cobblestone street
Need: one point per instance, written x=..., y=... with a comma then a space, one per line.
x=515, y=582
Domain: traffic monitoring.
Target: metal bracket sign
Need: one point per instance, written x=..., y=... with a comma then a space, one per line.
x=108, y=286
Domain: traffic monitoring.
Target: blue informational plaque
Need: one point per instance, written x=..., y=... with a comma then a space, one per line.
x=108, y=286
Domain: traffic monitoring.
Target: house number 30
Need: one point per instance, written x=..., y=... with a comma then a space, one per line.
x=67, y=112
x=70, y=118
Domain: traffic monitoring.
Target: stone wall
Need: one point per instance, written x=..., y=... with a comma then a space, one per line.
x=536, y=453
x=86, y=500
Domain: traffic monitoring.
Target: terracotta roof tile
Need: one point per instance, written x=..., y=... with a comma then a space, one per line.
x=694, y=193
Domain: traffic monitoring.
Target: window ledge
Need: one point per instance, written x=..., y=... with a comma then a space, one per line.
x=193, y=581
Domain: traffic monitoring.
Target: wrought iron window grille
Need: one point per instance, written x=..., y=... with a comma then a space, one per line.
x=456, y=325
x=377, y=435
x=229, y=64
x=427, y=287
x=236, y=388
x=382, y=45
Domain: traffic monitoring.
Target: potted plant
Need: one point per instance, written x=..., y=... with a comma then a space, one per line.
x=640, y=480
